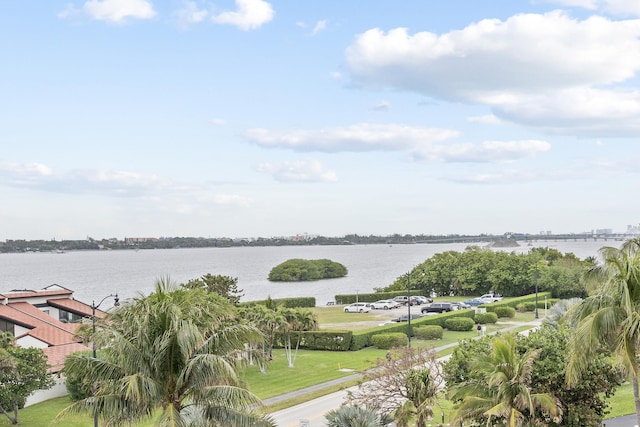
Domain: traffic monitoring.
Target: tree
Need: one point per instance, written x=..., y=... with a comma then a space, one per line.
x=503, y=391
x=22, y=371
x=225, y=286
x=267, y=321
x=173, y=351
x=611, y=316
x=355, y=416
x=404, y=385
x=297, y=320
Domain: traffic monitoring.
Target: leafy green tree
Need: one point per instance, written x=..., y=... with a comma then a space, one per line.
x=225, y=286
x=300, y=270
x=503, y=392
x=611, y=316
x=267, y=321
x=22, y=371
x=356, y=416
x=175, y=352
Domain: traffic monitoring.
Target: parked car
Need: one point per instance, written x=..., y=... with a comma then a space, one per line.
x=438, y=307
x=358, y=307
x=423, y=300
x=385, y=304
x=405, y=317
x=460, y=305
x=489, y=298
x=474, y=302
x=402, y=299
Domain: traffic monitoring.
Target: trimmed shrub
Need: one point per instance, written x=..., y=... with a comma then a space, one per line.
x=327, y=340
x=484, y=318
x=389, y=341
x=294, y=302
x=526, y=306
x=505, y=312
x=428, y=332
x=459, y=324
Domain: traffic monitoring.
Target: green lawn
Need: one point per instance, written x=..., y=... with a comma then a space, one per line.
x=311, y=367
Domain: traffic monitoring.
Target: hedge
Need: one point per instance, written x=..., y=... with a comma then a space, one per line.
x=286, y=302
x=372, y=297
x=459, y=324
x=484, y=318
x=428, y=332
x=361, y=339
x=390, y=340
x=526, y=306
x=327, y=340
x=505, y=312
x=513, y=302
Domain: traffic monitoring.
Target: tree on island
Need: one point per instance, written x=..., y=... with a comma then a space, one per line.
x=303, y=270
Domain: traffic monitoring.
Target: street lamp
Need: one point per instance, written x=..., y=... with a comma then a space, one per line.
x=409, y=308
x=94, y=306
x=537, y=292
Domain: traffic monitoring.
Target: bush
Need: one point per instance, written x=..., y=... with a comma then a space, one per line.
x=505, y=312
x=301, y=270
x=483, y=318
x=327, y=340
x=526, y=306
x=459, y=324
x=388, y=341
x=428, y=332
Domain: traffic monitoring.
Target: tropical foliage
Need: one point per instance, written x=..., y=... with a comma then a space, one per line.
x=356, y=416
x=477, y=271
x=502, y=391
x=404, y=385
x=225, y=286
x=611, y=316
x=299, y=270
x=22, y=371
x=174, y=352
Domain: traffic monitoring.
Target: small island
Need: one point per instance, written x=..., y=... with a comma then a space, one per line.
x=304, y=270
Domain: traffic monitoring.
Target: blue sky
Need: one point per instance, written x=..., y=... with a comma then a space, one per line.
x=250, y=118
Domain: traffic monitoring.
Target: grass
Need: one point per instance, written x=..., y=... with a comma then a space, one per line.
x=311, y=368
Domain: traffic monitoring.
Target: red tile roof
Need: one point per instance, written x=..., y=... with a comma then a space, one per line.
x=41, y=326
x=27, y=293
x=56, y=355
x=74, y=306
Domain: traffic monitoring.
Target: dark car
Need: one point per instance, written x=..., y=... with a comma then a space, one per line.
x=438, y=307
x=474, y=302
x=405, y=317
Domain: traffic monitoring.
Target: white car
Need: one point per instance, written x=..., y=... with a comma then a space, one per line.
x=385, y=304
x=489, y=298
x=358, y=307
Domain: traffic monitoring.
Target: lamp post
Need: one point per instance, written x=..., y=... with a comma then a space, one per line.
x=94, y=306
x=537, y=292
x=409, y=308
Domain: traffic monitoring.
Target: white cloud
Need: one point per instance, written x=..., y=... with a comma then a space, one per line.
x=320, y=26
x=250, y=14
x=485, y=152
x=218, y=121
x=613, y=7
x=488, y=119
x=190, y=13
x=298, y=171
x=355, y=138
x=119, y=10
x=336, y=75
x=421, y=143
x=528, y=60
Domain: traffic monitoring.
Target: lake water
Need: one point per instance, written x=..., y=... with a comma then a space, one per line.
x=95, y=274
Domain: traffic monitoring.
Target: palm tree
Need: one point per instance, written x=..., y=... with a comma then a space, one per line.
x=355, y=416
x=297, y=321
x=503, y=392
x=612, y=315
x=174, y=352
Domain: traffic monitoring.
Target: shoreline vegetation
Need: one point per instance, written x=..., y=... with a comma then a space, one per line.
x=305, y=270
x=136, y=243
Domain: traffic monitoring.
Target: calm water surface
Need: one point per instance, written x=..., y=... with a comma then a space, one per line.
x=95, y=274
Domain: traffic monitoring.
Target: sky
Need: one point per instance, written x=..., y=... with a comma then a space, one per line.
x=256, y=118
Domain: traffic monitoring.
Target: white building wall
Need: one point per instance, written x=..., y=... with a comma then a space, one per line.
x=58, y=390
x=31, y=342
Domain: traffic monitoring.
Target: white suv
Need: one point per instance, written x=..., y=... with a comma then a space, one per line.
x=358, y=307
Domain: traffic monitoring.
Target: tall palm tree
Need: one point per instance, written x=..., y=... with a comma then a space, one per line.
x=297, y=321
x=503, y=393
x=612, y=315
x=174, y=352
